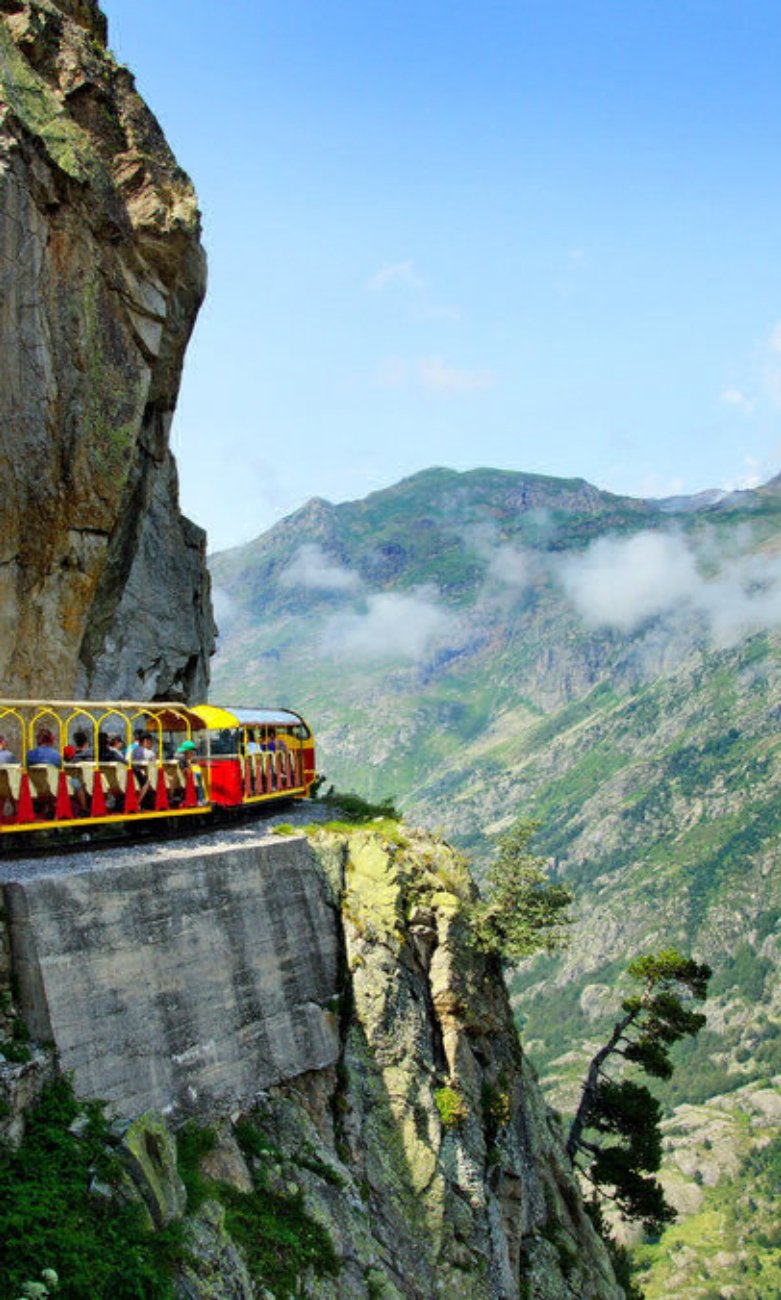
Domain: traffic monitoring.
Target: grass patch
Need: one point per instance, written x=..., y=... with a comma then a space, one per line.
x=383, y=826
x=280, y=1241
x=192, y=1144
x=352, y=808
x=49, y=1219
x=452, y=1107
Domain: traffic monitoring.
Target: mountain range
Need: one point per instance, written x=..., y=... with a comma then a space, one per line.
x=488, y=645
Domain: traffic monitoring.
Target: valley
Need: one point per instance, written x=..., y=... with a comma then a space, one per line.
x=488, y=645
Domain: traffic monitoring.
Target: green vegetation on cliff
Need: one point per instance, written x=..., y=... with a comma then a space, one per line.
x=520, y=912
x=55, y=1211
x=279, y=1240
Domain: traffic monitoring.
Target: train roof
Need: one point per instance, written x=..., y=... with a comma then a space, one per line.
x=169, y=712
x=249, y=717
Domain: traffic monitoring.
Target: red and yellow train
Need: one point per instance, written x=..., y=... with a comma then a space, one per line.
x=80, y=764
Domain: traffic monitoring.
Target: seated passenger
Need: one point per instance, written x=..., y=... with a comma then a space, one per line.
x=84, y=753
x=184, y=757
x=134, y=753
x=5, y=754
x=44, y=751
x=115, y=751
x=142, y=754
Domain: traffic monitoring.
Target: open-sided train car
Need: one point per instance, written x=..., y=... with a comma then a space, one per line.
x=79, y=763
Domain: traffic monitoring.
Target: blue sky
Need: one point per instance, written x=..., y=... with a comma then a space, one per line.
x=538, y=235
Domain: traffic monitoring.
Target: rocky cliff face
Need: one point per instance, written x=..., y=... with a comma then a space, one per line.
x=441, y=1121
x=102, y=582
x=407, y=1138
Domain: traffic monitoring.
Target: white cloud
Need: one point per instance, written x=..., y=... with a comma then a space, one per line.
x=225, y=611
x=752, y=476
x=744, y=598
x=509, y=567
x=621, y=582
x=400, y=273
x=313, y=570
x=760, y=387
x=403, y=276
x=224, y=607
x=737, y=398
x=441, y=378
x=396, y=625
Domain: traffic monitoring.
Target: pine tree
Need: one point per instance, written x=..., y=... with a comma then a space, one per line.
x=653, y=1021
x=520, y=911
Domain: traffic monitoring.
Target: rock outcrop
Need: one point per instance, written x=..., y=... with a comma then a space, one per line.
x=103, y=585
x=436, y=1113
x=349, y=1059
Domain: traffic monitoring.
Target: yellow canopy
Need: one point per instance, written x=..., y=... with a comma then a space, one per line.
x=213, y=718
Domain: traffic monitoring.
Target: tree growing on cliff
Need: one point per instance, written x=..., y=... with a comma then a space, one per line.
x=520, y=910
x=653, y=1020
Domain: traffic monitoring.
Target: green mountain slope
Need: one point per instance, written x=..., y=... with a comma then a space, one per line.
x=488, y=644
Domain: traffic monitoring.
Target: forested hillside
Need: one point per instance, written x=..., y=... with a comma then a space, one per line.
x=489, y=644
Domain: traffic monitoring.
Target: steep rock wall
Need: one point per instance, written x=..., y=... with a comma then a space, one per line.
x=178, y=980
x=101, y=277
x=320, y=1005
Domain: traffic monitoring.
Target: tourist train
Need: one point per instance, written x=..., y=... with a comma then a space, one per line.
x=79, y=764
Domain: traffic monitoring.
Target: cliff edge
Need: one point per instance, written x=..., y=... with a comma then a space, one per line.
x=103, y=586
x=310, y=1016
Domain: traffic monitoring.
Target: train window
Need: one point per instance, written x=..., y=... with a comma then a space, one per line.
x=224, y=743
x=301, y=732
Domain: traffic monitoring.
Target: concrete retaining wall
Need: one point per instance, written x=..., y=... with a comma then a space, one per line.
x=183, y=981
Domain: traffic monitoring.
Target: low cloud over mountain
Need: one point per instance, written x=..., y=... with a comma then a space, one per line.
x=620, y=583
x=311, y=569
x=394, y=625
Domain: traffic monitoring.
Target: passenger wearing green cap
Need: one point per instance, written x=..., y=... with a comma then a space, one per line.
x=184, y=757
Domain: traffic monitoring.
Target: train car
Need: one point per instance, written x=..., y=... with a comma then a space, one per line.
x=79, y=763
